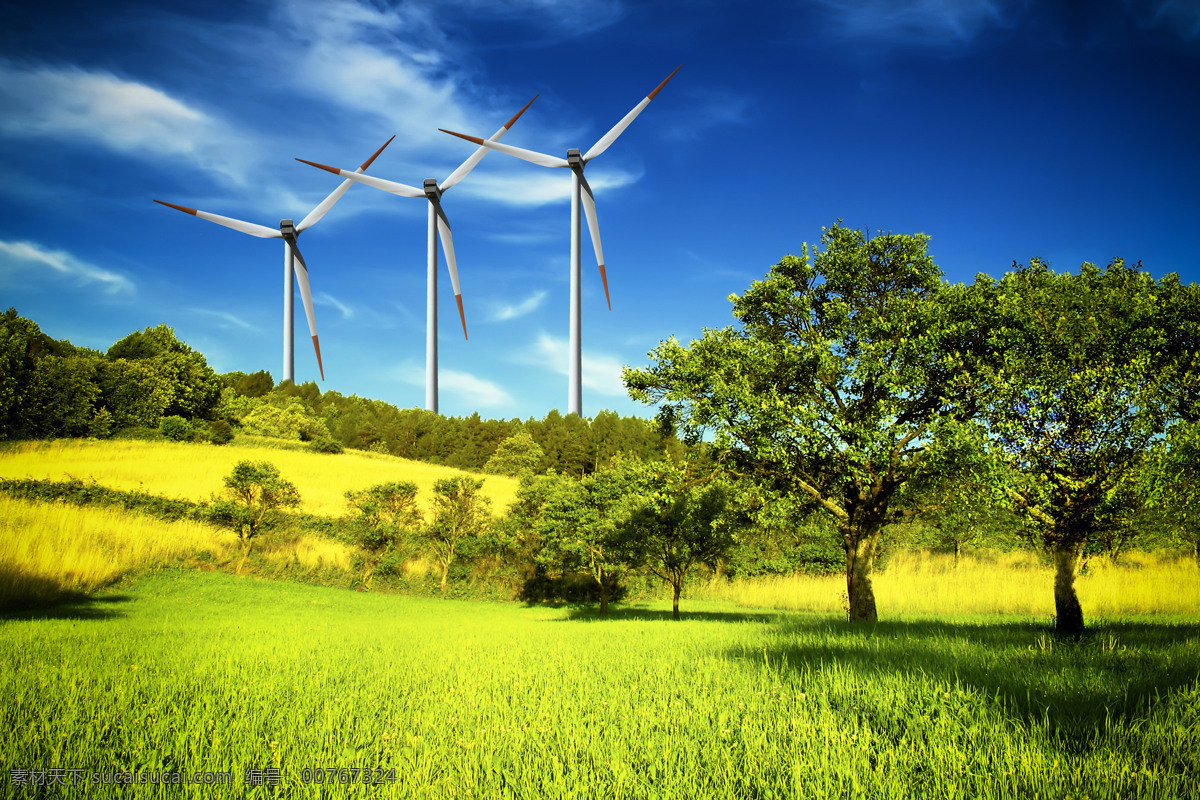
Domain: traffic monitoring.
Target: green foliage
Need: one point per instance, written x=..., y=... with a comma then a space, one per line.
x=386, y=511
x=1086, y=370
x=193, y=386
x=293, y=421
x=678, y=521
x=460, y=513
x=846, y=366
x=256, y=491
x=326, y=444
x=220, y=432
x=515, y=455
x=176, y=429
x=1172, y=484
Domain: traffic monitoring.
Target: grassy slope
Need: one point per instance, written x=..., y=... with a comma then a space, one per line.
x=195, y=471
x=210, y=672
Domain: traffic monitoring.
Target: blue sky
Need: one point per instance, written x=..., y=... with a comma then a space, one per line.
x=1003, y=130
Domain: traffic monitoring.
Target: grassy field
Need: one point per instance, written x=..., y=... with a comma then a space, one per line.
x=195, y=472
x=208, y=672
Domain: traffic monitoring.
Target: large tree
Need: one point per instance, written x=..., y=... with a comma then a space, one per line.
x=840, y=385
x=460, y=511
x=1087, y=370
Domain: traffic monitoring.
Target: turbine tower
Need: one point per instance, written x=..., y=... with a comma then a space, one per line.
x=289, y=232
x=432, y=191
x=580, y=190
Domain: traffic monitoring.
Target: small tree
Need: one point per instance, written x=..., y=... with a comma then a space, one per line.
x=515, y=455
x=583, y=526
x=459, y=511
x=385, y=510
x=678, y=524
x=257, y=491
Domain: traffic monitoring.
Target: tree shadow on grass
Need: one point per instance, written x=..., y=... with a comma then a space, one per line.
x=34, y=597
x=1079, y=687
x=592, y=614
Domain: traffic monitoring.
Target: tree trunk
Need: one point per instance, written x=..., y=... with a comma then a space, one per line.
x=957, y=547
x=1068, y=615
x=1198, y=553
x=860, y=561
x=603, y=580
x=677, y=587
x=445, y=575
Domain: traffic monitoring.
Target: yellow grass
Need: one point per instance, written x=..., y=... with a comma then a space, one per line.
x=195, y=471
x=920, y=584
x=50, y=548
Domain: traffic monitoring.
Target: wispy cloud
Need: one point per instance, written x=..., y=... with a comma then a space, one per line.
x=536, y=187
x=708, y=109
x=466, y=387
x=226, y=320
x=1179, y=16
x=920, y=22
x=505, y=312
x=25, y=256
x=601, y=372
x=66, y=102
x=326, y=299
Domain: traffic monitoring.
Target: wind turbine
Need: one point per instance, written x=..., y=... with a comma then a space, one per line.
x=579, y=188
x=432, y=190
x=291, y=256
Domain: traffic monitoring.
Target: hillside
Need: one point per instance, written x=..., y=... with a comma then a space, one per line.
x=195, y=471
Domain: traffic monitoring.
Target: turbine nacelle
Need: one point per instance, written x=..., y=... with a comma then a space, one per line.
x=287, y=228
x=575, y=160
x=432, y=191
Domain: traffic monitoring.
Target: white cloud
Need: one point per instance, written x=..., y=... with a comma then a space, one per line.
x=505, y=312
x=24, y=256
x=536, y=187
x=227, y=321
x=126, y=116
x=325, y=299
x=601, y=372
x=924, y=22
x=466, y=387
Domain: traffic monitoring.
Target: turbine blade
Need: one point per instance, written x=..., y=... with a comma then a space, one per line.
x=589, y=210
x=261, y=231
x=610, y=137
x=478, y=155
x=443, y=226
x=402, y=189
x=323, y=207
x=528, y=155
x=306, y=296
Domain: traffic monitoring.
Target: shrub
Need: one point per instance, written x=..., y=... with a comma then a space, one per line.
x=326, y=444
x=177, y=429
x=220, y=432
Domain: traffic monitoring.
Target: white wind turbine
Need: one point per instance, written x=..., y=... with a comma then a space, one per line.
x=579, y=188
x=291, y=256
x=432, y=190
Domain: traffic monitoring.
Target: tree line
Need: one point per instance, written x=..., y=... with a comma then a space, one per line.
x=151, y=383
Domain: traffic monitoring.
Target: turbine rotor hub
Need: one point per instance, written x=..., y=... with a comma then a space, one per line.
x=287, y=227
x=574, y=159
x=431, y=189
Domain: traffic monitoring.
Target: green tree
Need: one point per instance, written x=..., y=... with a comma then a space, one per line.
x=583, y=527
x=515, y=455
x=136, y=393
x=678, y=523
x=257, y=491
x=1083, y=378
x=847, y=370
x=460, y=512
x=195, y=388
x=1173, y=485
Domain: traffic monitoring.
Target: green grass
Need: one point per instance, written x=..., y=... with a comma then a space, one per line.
x=182, y=670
